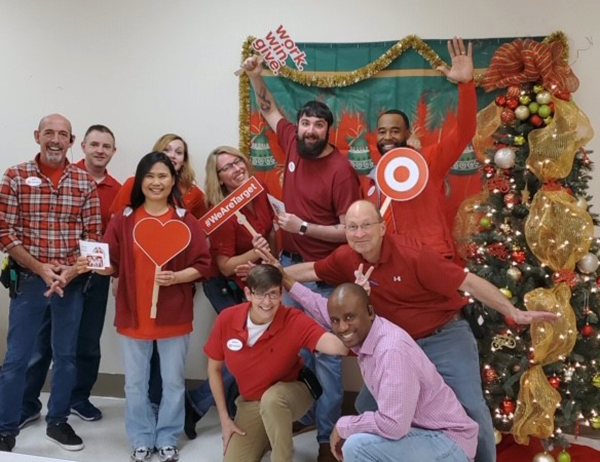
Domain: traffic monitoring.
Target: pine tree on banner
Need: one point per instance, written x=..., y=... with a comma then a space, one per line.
x=530, y=233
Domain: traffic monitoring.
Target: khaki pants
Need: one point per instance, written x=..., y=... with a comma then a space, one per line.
x=268, y=421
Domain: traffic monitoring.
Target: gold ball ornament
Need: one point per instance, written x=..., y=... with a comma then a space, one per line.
x=595, y=422
x=547, y=120
x=514, y=273
x=506, y=292
x=596, y=380
x=582, y=203
x=522, y=112
x=543, y=457
x=543, y=97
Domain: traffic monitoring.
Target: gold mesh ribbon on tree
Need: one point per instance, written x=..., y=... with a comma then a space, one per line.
x=559, y=234
x=522, y=61
x=466, y=222
x=552, y=149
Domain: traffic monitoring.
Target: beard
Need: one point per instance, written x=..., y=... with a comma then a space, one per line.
x=314, y=149
x=383, y=151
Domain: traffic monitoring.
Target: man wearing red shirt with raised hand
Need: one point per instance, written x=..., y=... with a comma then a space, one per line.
x=318, y=187
x=423, y=217
x=417, y=289
x=99, y=147
x=46, y=206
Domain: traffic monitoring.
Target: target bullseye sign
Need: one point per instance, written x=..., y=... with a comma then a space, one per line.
x=402, y=174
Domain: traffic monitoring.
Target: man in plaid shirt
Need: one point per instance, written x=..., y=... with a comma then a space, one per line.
x=46, y=206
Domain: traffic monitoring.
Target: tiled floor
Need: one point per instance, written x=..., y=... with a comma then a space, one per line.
x=106, y=440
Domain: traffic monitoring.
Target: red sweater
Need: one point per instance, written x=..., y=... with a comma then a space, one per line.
x=175, y=303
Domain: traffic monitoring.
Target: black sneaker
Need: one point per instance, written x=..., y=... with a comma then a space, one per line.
x=63, y=435
x=7, y=443
x=86, y=411
x=26, y=420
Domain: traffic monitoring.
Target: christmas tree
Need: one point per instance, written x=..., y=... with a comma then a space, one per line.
x=530, y=232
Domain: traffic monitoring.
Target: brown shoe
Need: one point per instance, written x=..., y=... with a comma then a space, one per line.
x=325, y=454
x=299, y=428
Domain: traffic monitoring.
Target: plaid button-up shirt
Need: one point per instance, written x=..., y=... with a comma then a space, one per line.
x=48, y=221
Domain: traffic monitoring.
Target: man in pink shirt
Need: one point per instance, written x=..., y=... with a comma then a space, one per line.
x=418, y=416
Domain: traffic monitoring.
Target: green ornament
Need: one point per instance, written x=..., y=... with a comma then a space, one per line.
x=533, y=107
x=544, y=111
x=596, y=381
x=525, y=99
x=564, y=456
x=485, y=222
x=519, y=140
x=538, y=88
x=547, y=120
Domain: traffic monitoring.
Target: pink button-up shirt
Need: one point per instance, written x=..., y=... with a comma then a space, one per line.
x=408, y=389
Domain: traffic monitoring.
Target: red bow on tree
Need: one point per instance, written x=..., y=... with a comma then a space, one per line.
x=522, y=61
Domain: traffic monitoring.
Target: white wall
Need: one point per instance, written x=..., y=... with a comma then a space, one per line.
x=149, y=67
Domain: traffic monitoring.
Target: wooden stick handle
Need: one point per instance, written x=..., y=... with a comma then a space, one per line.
x=386, y=204
x=242, y=220
x=154, y=296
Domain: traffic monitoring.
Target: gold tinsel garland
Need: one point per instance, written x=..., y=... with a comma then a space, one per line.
x=344, y=79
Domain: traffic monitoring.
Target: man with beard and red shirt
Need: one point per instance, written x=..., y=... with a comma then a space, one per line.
x=319, y=185
x=423, y=217
x=99, y=147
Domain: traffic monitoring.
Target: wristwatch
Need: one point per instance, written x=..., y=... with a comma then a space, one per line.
x=303, y=228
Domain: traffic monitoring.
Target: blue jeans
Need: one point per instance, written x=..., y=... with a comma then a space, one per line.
x=95, y=297
x=143, y=426
x=221, y=295
x=417, y=445
x=453, y=350
x=26, y=313
x=328, y=408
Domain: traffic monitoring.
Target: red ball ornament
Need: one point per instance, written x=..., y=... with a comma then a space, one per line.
x=508, y=406
x=536, y=120
x=514, y=91
x=598, y=281
x=489, y=375
x=501, y=100
x=552, y=106
x=507, y=116
x=564, y=95
x=512, y=103
x=554, y=382
x=518, y=256
x=587, y=331
x=511, y=199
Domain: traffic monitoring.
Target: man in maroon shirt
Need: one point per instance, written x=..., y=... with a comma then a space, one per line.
x=319, y=185
x=98, y=146
x=416, y=288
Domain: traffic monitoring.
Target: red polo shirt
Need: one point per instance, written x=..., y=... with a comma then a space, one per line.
x=408, y=218
x=108, y=189
x=316, y=190
x=233, y=239
x=411, y=286
x=273, y=358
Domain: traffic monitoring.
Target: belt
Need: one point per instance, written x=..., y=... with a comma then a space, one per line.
x=457, y=317
x=294, y=256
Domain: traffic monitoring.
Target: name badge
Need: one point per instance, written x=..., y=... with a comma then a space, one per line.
x=33, y=181
x=234, y=344
x=371, y=190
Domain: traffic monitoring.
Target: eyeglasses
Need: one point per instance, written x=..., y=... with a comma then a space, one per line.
x=365, y=227
x=271, y=295
x=225, y=168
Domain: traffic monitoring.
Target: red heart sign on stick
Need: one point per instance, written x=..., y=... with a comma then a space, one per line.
x=161, y=242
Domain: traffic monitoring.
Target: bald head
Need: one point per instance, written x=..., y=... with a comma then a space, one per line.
x=54, y=118
x=350, y=314
x=364, y=209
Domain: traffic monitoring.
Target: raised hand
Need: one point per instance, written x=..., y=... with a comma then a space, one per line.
x=253, y=66
x=462, y=61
